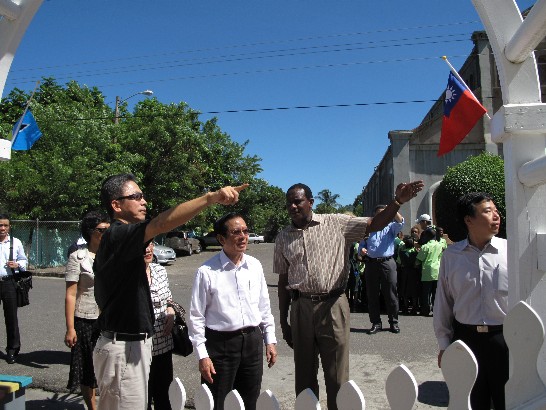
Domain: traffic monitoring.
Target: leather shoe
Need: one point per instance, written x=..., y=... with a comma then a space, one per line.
x=10, y=358
x=376, y=327
x=394, y=328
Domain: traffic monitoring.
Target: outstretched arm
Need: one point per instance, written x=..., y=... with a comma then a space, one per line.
x=404, y=192
x=182, y=213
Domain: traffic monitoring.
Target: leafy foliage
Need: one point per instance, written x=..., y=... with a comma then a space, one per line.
x=174, y=156
x=328, y=202
x=482, y=173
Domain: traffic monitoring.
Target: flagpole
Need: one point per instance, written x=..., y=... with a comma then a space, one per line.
x=25, y=111
x=456, y=74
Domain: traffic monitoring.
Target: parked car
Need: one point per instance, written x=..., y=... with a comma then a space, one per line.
x=182, y=242
x=163, y=254
x=208, y=240
x=255, y=238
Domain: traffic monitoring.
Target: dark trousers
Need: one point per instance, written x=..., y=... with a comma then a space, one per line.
x=8, y=297
x=238, y=361
x=321, y=329
x=161, y=376
x=381, y=276
x=492, y=356
x=428, y=294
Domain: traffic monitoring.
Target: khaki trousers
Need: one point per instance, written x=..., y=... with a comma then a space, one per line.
x=321, y=329
x=122, y=370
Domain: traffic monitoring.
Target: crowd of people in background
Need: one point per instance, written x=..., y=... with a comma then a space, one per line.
x=417, y=257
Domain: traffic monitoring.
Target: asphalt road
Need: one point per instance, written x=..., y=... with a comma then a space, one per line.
x=372, y=357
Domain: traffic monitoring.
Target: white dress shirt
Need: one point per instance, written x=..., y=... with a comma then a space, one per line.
x=18, y=256
x=226, y=297
x=472, y=287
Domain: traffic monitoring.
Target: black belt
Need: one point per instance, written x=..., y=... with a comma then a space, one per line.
x=480, y=328
x=317, y=297
x=386, y=258
x=230, y=333
x=124, y=337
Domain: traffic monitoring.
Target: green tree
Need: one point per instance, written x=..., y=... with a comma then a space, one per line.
x=328, y=202
x=172, y=153
x=481, y=173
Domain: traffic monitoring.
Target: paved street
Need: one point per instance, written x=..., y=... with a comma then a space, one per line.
x=45, y=358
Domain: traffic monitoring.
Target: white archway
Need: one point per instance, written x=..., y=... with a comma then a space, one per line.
x=16, y=16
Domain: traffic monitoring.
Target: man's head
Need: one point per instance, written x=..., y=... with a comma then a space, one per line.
x=123, y=199
x=477, y=213
x=232, y=233
x=4, y=226
x=378, y=208
x=299, y=204
x=424, y=221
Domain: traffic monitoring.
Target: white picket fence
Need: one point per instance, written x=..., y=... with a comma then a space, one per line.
x=524, y=334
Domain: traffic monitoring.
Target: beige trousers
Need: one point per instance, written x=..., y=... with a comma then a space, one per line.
x=321, y=329
x=122, y=370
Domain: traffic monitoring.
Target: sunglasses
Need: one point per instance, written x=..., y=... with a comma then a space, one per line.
x=135, y=197
x=100, y=230
x=239, y=232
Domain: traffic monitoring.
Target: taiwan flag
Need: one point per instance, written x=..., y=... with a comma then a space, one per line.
x=461, y=112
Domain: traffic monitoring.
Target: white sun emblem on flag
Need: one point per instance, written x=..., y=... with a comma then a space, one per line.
x=450, y=94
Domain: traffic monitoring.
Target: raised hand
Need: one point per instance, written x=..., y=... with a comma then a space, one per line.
x=408, y=190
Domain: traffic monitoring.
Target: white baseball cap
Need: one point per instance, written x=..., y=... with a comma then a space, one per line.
x=424, y=217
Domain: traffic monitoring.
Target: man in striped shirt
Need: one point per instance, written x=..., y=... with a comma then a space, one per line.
x=311, y=258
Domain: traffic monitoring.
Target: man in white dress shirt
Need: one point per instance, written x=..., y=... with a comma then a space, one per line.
x=472, y=298
x=230, y=317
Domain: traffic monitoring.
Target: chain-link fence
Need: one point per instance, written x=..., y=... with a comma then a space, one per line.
x=46, y=242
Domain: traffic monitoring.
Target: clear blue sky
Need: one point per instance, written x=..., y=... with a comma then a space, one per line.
x=219, y=56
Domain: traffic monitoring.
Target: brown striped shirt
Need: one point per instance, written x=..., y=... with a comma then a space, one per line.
x=316, y=258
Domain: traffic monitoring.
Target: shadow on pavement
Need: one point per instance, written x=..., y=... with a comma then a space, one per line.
x=43, y=358
x=57, y=401
x=434, y=393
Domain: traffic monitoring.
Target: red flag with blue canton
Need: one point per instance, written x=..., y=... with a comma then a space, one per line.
x=461, y=112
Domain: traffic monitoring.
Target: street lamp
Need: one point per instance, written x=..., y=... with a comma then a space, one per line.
x=119, y=101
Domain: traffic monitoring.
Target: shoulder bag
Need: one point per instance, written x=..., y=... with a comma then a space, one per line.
x=181, y=338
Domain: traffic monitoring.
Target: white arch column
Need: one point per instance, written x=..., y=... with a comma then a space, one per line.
x=519, y=124
x=17, y=16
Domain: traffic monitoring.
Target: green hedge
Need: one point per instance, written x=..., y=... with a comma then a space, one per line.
x=482, y=173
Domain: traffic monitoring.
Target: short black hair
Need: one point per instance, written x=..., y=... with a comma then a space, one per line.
x=220, y=226
x=4, y=216
x=112, y=188
x=408, y=242
x=427, y=235
x=306, y=190
x=90, y=221
x=466, y=205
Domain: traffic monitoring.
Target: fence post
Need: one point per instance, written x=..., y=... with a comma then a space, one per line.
x=37, y=241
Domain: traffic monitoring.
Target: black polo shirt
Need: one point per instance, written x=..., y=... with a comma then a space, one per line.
x=122, y=290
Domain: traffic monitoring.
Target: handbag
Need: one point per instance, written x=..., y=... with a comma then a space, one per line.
x=23, y=281
x=181, y=338
x=23, y=286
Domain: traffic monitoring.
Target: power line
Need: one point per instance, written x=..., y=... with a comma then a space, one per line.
x=86, y=63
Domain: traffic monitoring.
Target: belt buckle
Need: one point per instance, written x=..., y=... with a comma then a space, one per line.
x=316, y=298
x=482, y=329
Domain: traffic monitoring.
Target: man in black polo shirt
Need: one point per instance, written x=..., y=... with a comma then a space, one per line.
x=123, y=353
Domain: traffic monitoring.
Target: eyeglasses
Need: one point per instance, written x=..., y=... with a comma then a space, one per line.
x=135, y=197
x=100, y=230
x=239, y=232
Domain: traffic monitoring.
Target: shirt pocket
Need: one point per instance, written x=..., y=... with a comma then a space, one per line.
x=500, y=279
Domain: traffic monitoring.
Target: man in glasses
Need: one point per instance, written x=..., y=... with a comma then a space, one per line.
x=123, y=353
x=230, y=317
x=12, y=261
x=311, y=258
